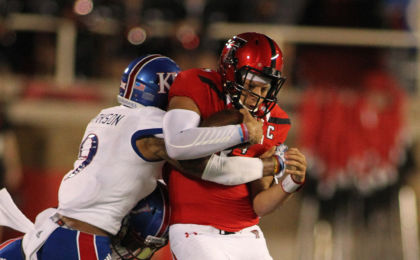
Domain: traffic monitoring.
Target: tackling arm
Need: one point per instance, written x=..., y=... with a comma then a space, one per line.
x=227, y=170
x=216, y=168
x=184, y=139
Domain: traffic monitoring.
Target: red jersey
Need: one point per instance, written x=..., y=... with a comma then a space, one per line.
x=201, y=202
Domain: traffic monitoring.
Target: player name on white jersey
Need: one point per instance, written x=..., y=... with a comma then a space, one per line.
x=108, y=119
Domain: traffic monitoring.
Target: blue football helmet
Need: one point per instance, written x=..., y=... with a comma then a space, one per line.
x=145, y=229
x=146, y=81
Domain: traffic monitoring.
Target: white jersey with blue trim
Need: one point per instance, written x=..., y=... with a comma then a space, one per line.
x=110, y=175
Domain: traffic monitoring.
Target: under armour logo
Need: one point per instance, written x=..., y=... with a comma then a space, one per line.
x=191, y=233
x=38, y=234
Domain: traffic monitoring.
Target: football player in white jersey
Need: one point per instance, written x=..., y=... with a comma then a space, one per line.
x=120, y=159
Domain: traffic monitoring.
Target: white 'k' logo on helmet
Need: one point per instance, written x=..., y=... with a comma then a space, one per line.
x=164, y=85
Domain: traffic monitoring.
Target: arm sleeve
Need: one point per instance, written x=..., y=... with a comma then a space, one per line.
x=233, y=170
x=185, y=140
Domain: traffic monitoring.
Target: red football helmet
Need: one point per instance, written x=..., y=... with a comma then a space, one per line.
x=252, y=53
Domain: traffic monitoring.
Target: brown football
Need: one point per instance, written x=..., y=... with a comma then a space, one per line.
x=224, y=117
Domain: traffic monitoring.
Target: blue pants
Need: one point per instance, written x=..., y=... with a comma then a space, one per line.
x=12, y=249
x=63, y=244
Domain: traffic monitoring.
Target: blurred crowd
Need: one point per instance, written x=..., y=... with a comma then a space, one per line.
x=111, y=31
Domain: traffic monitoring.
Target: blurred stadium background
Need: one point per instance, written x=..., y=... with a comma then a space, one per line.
x=353, y=93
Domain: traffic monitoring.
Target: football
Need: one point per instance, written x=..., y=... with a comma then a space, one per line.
x=224, y=117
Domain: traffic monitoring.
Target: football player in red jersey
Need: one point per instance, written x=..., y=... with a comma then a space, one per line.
x=213, y=221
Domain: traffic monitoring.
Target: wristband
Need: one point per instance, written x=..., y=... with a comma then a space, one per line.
x=276, y=165
x=279, y=168
x=244, y=133
x=289, y=185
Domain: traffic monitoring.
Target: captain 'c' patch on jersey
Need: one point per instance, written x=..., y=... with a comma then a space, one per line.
x=271, y=128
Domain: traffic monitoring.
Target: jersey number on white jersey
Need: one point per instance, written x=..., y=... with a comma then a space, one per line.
x=87, y=151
